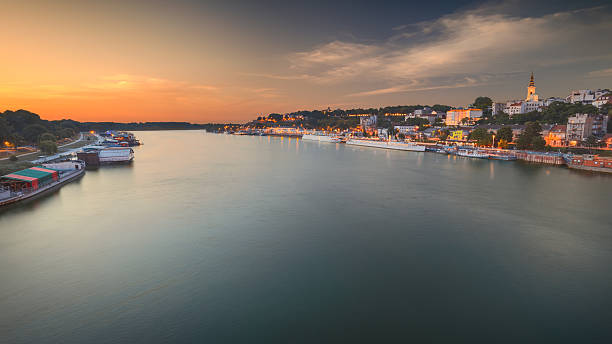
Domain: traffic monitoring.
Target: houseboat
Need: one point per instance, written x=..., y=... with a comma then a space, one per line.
x=590, y=162
x=36, y=181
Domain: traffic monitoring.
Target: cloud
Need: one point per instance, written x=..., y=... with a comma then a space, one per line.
x=464, y=49
x=602, y=73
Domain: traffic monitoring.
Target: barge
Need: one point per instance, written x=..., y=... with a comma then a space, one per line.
x=95, y=156
x=37, y=181
x=321, y=138
x=590, y=162
x=387, y=145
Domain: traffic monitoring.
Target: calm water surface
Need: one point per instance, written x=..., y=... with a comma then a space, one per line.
x=218, y=238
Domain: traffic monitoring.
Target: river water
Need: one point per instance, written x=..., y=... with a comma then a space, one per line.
x=218, y=238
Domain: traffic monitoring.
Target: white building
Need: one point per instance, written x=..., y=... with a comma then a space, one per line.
x=513, y=107
x=581, y=96
x=551, y=100
x=406, y=129
x=604, y=99
x=366, y=122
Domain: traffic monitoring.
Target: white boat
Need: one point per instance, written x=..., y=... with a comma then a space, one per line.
x=321, y=138
x=406, y=146
x=472, y=153
x=116, y=155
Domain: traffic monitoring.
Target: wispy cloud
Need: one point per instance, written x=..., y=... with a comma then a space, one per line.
x=465, y=49
x=602, y=73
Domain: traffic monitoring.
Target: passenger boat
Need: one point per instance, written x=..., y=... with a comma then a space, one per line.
x=472, y=153
x=590, y=162
x=36, y=181
x=321, y=138
x=405, y=146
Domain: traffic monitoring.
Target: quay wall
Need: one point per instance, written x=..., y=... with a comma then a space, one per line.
x=541, y=158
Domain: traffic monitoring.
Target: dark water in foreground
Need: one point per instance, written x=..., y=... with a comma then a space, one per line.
x=217, y=238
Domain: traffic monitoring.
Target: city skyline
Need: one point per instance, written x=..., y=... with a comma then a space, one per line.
x=220, y=62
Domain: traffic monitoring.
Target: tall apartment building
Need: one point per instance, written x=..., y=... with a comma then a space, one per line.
x=582, y=125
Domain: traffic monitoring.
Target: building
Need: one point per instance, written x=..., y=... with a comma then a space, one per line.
x=514, y=107
x=556, y=136
x=607, y=141
x=458, y=135
x=581, y=96
x=425, y=113
x=455, y=116
x=551, y=100
x=497, y=108
x=368, y=123
x=603, y=99
x=406, y=129
x=582, y=125
x=531, y=95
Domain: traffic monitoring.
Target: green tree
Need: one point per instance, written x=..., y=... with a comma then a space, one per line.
x=444, y=134
x=483, y=103
x=48, y=137
x=591, y=141
x=66, y=132
x=504, y=133
x=481, y=136
x=5, y=130
x=32, y=132
x=48, y=147
x=531, y=138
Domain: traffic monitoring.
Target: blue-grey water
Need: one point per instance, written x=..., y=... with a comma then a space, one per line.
x=216, y=238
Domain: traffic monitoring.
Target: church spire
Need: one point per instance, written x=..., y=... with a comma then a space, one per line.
x=531, y=95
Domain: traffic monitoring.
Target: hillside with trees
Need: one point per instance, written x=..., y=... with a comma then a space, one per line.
x=555, y=113
x=22, y=127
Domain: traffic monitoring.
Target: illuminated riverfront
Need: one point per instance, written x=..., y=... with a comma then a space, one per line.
x=305, y=172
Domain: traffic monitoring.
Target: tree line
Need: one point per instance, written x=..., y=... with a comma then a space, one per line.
x=23, y=127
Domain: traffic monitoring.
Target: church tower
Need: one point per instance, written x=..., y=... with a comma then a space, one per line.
x=531, y=95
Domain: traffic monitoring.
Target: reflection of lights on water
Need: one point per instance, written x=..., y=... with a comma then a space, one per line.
x=491, y=170
x=548, y=172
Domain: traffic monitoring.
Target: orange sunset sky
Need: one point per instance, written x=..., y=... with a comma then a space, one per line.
x=218, y=62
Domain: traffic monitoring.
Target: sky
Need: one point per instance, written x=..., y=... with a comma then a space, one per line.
x=231, y=61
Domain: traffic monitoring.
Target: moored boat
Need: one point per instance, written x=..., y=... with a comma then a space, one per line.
x=472, y=153
x=406, y=146
x=590, y=162
x=321, y=138
x=116, y=155
x=39, y=180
